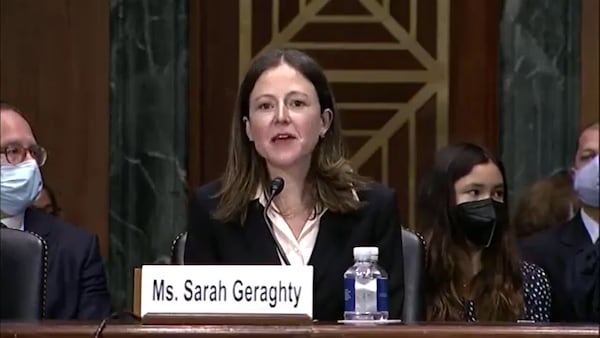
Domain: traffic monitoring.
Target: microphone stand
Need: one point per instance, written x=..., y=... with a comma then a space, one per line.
x=276, y=188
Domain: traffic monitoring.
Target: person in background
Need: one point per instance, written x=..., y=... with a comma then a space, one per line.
x=472, y=270
x=546, y=203
x=46, y=202
x=286, y=125
x=569, y=252
x=76, y=281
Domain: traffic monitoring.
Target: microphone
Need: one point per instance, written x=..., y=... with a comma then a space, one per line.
x=276, y=187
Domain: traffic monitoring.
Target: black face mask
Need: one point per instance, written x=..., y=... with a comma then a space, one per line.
x=479, y=220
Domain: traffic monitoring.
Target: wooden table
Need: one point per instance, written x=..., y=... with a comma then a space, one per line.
x=73, y=330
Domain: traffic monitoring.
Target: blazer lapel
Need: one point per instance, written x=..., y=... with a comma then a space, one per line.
x=261, y=244
x=331, y=242
x=576, y=242
x=574, y=235
x=35, y=221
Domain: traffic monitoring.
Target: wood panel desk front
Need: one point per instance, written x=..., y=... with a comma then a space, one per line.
x=75, y=330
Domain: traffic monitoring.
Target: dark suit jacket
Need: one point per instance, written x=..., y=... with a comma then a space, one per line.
x=376, y=224
x=76, y=279
x=554, y=250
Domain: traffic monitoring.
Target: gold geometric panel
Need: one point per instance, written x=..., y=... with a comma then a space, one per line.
x=387, y=61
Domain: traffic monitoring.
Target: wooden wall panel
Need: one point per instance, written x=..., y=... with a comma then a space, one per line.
x=195, y=125
x=54, y=65
x=213, y=86
x=590, y=61
x=474, y=71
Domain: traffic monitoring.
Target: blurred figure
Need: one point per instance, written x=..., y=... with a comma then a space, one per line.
x=548, y=202
x=472, y=271
x=46, y=202
x=587, y=146
x=570, y=252
x=286, y=126
x=76, y=281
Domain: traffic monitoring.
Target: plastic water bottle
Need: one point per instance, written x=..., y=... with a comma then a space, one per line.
x=365, y=287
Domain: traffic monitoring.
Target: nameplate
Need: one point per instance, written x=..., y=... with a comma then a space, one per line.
x=222, y=289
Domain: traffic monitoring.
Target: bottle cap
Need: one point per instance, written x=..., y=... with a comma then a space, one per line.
x=365, y=252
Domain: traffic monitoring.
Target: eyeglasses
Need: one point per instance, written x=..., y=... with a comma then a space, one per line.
x=17, y=154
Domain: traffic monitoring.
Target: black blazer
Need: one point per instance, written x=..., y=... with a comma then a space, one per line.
x=375, y=224
x=554, y=250
x=77, y=286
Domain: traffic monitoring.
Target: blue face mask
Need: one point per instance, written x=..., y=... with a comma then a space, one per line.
x=587, y=185
x=20, y=185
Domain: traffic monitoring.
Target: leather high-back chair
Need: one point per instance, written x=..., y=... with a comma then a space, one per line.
x=23, y=274
x=413, y=250
x=178, y=249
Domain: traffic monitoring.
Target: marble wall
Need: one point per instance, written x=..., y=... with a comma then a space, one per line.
x=148, y=135
x=539, y=90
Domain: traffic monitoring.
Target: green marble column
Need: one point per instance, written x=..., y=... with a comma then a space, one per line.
x=539, y=90
x=148, y=135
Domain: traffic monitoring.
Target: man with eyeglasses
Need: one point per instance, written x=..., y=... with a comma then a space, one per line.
x=76, y=280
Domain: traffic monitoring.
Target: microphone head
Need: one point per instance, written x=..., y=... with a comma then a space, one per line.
x=276, y=186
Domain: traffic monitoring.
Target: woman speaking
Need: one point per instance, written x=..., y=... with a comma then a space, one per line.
x=288, y=194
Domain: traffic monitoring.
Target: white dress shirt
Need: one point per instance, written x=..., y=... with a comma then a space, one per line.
x=297, y=250
x=15, y=222
x=591, y=226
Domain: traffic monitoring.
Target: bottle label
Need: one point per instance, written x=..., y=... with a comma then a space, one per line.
x=382, y=294
x=366, y=297
x=349, y=297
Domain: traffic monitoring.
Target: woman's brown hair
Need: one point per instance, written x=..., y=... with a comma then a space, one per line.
x=498, y=287
x=546, y=203
x=330, y=175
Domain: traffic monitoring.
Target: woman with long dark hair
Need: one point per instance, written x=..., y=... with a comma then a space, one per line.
x=473, y=270
x=286, y=127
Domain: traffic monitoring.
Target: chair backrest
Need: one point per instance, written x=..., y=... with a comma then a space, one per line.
x=413, y=250
x=178, y=249
x=23, y=274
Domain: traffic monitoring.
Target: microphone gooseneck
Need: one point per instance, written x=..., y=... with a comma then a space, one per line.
x=115, y=315
x=275, y=189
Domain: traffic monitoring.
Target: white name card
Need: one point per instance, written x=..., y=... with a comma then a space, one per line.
x=240, y=289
